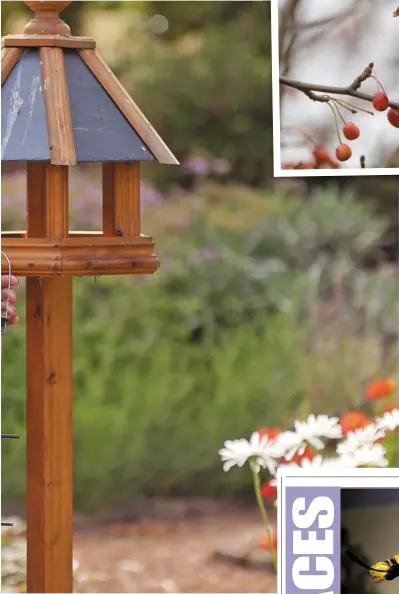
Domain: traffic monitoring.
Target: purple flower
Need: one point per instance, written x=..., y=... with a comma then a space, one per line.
x=197, y=165
x=150, y=195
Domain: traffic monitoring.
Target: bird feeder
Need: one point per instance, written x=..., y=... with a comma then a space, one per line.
x=62, y=105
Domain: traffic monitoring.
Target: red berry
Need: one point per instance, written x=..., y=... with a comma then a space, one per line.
x=321, y=154
x=393, y=117
x=351, y=131
x=343, y=152
x=380, y=101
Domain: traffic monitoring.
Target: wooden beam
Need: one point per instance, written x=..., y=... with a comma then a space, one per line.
x=56, y=102
x=128, y=107
x=49, y=395
x=121, y=199
x=9, y=57
x=21, y=234
x=48, y=41
x=80, y=255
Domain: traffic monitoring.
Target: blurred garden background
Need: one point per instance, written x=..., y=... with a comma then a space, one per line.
x=275, y=298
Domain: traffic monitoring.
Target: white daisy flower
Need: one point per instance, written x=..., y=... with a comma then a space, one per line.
x=316, y=462
x=319, y=462
x=309, y=432
x=366, y=455
x=260, y=452
x=359, y=438
x=273, y=481
x=292, y=444
x=340, y=462
x=389, y=420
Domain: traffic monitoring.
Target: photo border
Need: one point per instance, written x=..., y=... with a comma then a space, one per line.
x=362, y=478
x=293, y=173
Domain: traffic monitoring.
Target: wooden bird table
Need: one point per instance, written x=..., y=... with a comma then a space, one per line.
x=62, y=105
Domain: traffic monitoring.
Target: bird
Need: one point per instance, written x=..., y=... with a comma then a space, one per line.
x=382, y=571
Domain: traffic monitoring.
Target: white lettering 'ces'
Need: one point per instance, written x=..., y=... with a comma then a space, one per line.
x=320, y=505
x=311, y=545
x=306, y=581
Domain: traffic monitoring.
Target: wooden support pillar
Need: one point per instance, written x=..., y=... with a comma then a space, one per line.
x=49, y=394
x=121, y=199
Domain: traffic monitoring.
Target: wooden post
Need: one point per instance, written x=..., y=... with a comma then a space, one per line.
x=54, y=59
x=121, y=199
x=49, y=394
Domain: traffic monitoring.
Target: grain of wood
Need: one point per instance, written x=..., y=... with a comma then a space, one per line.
x=80, y=255
x=56, y=102
x=48, y=41
x=47, y=19
x=57, y=201
x=128, y=107
x=36, y=199
x=49, y=395
x=121, y=199
x=9, y=57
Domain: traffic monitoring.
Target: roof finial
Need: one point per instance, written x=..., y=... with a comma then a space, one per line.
x=47, y=18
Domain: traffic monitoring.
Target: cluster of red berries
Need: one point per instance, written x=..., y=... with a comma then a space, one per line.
x=343, y=151
x=381, y=103
x=321, y=160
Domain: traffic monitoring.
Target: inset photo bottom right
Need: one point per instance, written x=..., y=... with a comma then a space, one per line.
x=338, y=529
x=370, y=541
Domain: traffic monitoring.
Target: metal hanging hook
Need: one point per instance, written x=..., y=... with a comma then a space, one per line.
x=4, y=314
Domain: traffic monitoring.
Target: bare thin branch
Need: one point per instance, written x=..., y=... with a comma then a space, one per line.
x=352, y=90
x=287, y=21
x=330, y=20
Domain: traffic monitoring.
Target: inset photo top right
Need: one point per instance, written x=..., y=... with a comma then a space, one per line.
x=335, y=87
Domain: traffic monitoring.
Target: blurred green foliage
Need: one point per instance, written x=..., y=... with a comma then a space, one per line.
x=258, y=316
x=273, y=299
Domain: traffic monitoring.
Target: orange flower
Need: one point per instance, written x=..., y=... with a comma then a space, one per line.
x=264, y=542
x=353, y=420
x=380, y=388
x=270, y=432
x=308, y=453
x=268, y=491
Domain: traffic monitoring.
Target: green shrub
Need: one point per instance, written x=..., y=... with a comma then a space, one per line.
x=244, y=325
x=151, y=409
